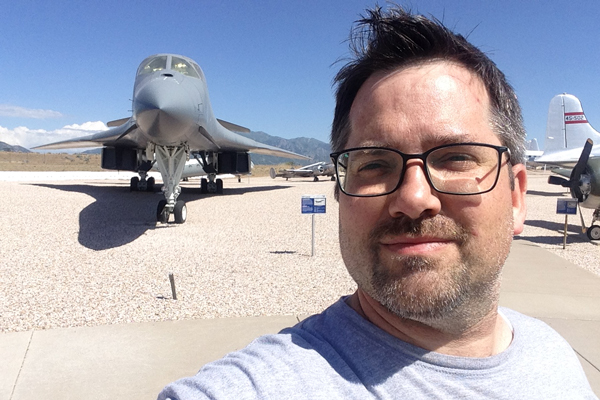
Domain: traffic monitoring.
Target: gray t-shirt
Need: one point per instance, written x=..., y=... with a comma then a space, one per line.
x=339, y=355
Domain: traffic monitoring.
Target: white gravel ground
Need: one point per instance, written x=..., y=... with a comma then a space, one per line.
x=546, y=228
x=88, y=251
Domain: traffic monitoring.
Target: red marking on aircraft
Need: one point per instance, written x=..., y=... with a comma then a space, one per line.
x=575, y=118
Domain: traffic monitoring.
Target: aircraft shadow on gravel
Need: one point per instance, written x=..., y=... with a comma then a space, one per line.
x=544, y=193
x=555, y=233
x=119, y=216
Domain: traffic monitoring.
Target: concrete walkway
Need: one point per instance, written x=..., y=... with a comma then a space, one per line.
x=135, y=361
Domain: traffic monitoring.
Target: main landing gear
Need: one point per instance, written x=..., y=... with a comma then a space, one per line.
x=211, y=185
x=593, y=232
x=142, y=184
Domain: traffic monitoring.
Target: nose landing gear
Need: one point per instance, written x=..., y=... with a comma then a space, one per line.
x=179, y=211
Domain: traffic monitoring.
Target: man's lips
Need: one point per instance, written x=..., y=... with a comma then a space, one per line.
x=415, y=246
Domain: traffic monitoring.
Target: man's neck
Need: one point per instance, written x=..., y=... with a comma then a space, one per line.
x=491, y=335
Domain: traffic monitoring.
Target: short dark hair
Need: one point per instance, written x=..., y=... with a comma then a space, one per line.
x=385, y=41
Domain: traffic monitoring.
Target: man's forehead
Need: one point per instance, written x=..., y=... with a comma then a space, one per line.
x=434, y=76
x=442, y=98
x=436, y=139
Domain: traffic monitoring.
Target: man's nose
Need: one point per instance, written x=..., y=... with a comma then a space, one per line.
x=415, y=197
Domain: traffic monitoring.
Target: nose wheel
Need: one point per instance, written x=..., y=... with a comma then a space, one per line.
x=179, y=210
x=162, y=212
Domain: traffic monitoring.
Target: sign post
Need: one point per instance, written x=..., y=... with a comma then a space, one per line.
x=566, y=206
x=313, y=204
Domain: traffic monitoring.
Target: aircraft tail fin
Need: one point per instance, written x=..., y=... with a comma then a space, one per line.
x=532, y=145
x=567, y=126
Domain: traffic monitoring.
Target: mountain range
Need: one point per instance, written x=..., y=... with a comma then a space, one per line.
x=13, y=149
x=310, y=147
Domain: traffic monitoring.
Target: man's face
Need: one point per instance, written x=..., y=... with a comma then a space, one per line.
x=421, y=254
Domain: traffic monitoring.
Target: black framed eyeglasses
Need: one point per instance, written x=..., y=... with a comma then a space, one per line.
x=457, y=168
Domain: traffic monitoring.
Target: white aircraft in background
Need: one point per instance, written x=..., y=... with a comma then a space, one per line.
x=570, y=145
x=313, y=170
x=532, y=151
x=172, y=121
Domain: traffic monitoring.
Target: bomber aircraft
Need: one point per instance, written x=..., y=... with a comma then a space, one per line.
x=569, y=145
x=173, y=122
x=313, y=170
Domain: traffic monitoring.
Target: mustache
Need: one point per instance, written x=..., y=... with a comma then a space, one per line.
x=438, y=226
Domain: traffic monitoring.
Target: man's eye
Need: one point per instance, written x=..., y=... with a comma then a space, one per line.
x=371, y=166
x=456, y=160
x=374, y=168
x=459, y=158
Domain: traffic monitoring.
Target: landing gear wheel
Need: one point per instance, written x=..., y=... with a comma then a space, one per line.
x=133, y=184
x=315, y=179
x=162, y=213
x=333, y=178
x=593, y=232
x=203, y=186
x=180, y=212
x=219, y=186
x=150, y=184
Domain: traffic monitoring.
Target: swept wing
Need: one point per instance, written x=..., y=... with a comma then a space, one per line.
x=173, y=122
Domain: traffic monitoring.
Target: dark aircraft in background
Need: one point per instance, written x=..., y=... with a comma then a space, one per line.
x=173, y=122
x=570, y=146
x=313, y=170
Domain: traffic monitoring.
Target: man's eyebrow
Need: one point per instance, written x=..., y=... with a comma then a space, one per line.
x=376, y=143
x=435, y=140
x=443, y=139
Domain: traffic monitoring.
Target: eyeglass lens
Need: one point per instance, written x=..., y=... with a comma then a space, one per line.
x=462, y=169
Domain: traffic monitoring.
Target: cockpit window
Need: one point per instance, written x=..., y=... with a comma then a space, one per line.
x=197, y=67
x=184, y=67
x=155, y=64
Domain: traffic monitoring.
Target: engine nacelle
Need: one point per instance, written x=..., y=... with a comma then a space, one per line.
x=119, y=158
x=232, y=162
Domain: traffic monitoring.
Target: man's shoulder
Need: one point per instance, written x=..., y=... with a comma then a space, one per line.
x=298, y=360
x=530, y=331
x=525, y=323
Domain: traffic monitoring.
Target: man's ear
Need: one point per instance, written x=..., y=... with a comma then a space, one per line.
x=518, y=197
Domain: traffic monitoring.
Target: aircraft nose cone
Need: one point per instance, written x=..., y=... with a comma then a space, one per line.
x=163, y=111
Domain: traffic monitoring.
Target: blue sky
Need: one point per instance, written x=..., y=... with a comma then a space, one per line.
x=269, y=64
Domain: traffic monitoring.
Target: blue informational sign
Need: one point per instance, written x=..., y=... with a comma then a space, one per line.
x=313, y=204
x=566, y=206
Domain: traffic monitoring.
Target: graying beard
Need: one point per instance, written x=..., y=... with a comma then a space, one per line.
x=388, y=291
x=464, y=300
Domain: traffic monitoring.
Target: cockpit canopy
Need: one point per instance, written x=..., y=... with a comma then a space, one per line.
x=167, y=62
